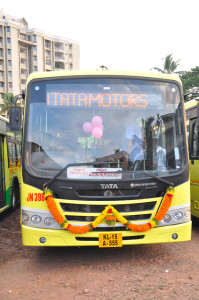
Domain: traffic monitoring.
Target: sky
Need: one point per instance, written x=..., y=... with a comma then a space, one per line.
x=131, y=35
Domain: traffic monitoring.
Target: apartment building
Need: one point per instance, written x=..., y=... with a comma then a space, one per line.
x=24, y=50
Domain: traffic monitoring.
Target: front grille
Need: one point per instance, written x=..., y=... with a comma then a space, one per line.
x=108, y=193
x=91, y=219
x=124, y=238
x=81, y=208
x=87, y=213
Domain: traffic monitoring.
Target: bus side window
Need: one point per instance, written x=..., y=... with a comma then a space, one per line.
x=12, y=152
x=195, y=140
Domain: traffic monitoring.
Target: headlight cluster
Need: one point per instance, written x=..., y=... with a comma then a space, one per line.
x=176, y=215
x=38, y=219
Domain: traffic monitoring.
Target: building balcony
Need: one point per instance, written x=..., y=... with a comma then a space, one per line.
x=23, y=55
x=59, y=66
x=59, y=58
x=23, y=76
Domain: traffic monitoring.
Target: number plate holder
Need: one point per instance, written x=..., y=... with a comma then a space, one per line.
x=110, y=240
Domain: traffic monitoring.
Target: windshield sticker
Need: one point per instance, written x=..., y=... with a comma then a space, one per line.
x=93, y=173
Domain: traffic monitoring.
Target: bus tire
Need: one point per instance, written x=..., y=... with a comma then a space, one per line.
x=15, y=200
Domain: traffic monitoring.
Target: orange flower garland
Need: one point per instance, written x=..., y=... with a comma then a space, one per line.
x=110, y=214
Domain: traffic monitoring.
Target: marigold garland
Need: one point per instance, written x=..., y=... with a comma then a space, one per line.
x=110, y=214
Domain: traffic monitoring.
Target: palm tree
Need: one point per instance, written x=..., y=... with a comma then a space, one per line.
x=8, y=101
x=169, y=65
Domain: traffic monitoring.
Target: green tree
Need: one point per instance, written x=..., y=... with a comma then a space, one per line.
x=8, y=101
x=190, y=80
x=169, y=65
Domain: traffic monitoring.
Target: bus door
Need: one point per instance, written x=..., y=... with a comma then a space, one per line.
x=1, y=172
x=194, y=165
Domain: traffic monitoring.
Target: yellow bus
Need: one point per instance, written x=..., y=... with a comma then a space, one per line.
x=105, y=160
x=10, y=166
x=192, y=114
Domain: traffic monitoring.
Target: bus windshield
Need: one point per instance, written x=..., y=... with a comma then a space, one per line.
x=125, y=125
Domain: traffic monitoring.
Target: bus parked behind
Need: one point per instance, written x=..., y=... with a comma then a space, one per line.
x=192, y=115
x=10, y=166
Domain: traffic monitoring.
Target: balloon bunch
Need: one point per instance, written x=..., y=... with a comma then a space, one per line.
x=95, y=126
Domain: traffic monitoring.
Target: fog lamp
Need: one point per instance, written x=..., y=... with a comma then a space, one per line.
x=174, y=236
x=42, y=240
x=36, y=219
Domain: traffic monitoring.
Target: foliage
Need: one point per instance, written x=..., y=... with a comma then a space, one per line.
x=190, y=80
x=169, y=65
x=8, y=101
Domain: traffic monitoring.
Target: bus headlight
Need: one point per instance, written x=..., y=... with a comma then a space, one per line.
x=49, y=221
x=167, y=218
x=178, y=215
x=36, y=219
x=25, y=217
x=39, y=218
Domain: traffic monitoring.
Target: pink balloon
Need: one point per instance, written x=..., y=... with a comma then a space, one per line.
x=87, y=127
x=96, y=121
x=97, y=132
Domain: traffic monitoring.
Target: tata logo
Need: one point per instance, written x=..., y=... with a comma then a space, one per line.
x=132, y=185
x=106, y=186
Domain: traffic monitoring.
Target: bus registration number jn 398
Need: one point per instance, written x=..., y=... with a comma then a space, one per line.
x=110, y=240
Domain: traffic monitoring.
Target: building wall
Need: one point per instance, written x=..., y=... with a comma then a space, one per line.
x=24, y=50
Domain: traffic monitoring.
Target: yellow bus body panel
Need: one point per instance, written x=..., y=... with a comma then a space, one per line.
x=163, y=234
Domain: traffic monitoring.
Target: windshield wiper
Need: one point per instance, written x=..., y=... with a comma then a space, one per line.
x=105, y=162
x=48, y=183
x=142, y=172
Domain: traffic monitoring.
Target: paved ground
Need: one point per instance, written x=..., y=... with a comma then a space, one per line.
x=162, y=271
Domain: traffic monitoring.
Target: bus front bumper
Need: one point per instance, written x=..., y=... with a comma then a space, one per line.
x=32, y=236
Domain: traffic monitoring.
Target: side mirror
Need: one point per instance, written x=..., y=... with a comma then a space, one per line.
x=15, y=114
x=15, y=118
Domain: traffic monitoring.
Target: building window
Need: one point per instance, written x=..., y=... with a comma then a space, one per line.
x=9, y=63
x=9, y=40
x=47, y=44
x=1, y=84
x=35, y=58
x=10, y=85
x=1, y=52
x=8, y=28
x=9, y=51
x=34, y=38
x=35, y=48
x=10, y=73
x=35, y=68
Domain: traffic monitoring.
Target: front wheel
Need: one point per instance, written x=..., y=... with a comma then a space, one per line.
x=15, y=198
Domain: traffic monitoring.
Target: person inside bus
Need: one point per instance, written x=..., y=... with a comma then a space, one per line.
x=160, y=158
x=134, y=145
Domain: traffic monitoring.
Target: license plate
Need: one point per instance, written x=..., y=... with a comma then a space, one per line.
x=110, y=240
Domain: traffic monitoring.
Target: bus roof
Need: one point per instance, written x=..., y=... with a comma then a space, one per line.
x=190, y=104
x=4, y=119
x=54, y=74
